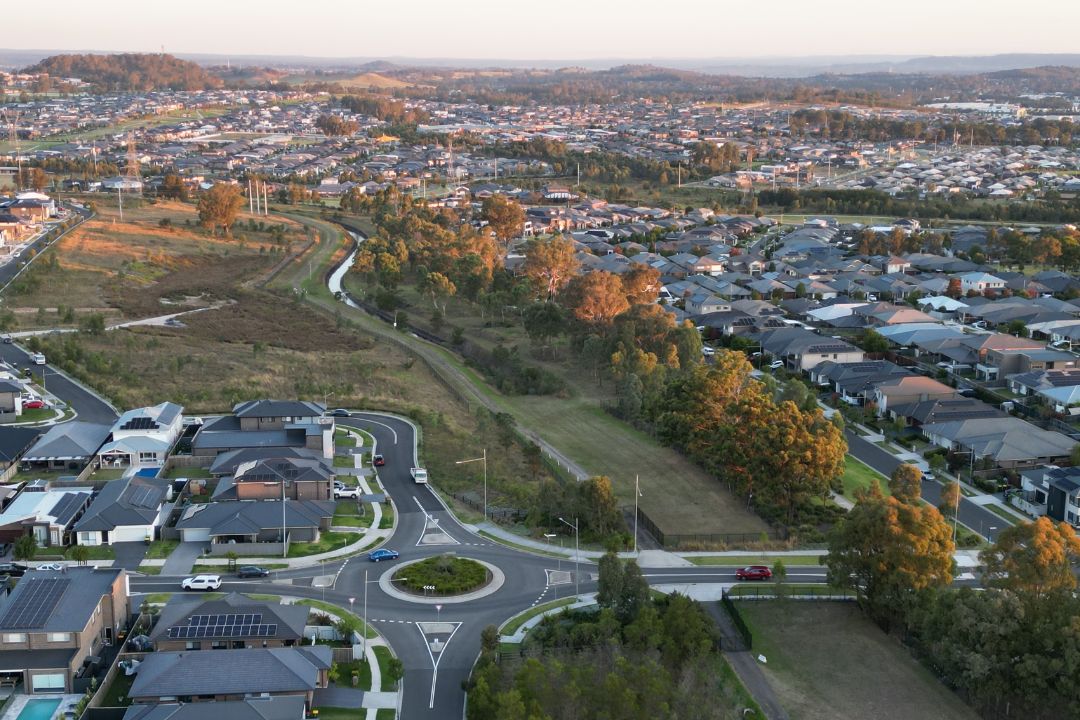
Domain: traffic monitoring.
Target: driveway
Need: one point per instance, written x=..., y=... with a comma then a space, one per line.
x=182, y=558
x=339, y=696
x=129, y=554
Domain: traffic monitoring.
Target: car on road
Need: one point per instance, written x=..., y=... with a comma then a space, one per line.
x=339, y=412
x=49, y=566
x=6, y=337
x=419, y=475
x=776, y=364
x=252, y=571
x=707, y=351
x=346, y=492
x=201, y=582
x=13, y=569
x=38, y=358
x=753, y=572
x=378, y=460
x=383, y=554
x=33, y=404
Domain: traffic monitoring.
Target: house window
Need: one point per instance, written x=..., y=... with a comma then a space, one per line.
x=58, y=637
x=220, y=645
x=193, y=646
x=14, y=637
x=148, y=457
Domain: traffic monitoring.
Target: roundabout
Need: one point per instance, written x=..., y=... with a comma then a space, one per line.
x=466, y=578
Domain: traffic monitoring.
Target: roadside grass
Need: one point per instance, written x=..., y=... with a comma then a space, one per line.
x=33, y=415
x=859, y=476
x=385, y=714
x=517, y=621
x=1002, y=513
x=769, y=589
x=826, y=660
x=224, y=569
x=343, y=461
x=150, y=569
x=383, y=657
x=770, y=560
x=387, y=520
x=327, y=541
x=161, y=549
x=500, y=541
x=344, y=439
x=337, y=611
x=94, y=552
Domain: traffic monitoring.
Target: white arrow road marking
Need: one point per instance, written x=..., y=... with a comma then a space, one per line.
x=436, y=628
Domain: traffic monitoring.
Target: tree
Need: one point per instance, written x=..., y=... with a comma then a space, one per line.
x=950, y=498
x=504, y=216
x=92, y=324
x=173, y=188
x=955, y=288
x=874, y=342
x=610, y=581
x=884, y=549
x=438, y=286
x=1035, y=558
x=336, y=125
x=219, y=207
x=549, y=264
x=80, y=554
x=543, y=321
x=906, y=483
x=779, y=574
x=641, y=283
x=348, y=625
x=596, y=298
x=634, y=594
x=26, y=547
x=38, y=180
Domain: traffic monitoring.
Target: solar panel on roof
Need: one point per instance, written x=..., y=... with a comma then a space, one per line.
x=35, y=603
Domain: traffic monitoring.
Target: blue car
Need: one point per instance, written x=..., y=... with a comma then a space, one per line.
x=383, y=554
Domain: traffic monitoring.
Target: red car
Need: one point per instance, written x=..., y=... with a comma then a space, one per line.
x=378, y=461
x=33, y=404
x=753, y=572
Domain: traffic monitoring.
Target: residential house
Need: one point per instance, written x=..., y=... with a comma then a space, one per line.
x=1007, y=442
x=1002, y=362
x=143, y=437
x=14, y=442
x=52, y=621
x=234, y=621
x=245, y=525
x=855, y=382
x=231, y=675
x=47, y=514
x=10, y=401
x=130, y=509
x=254, y=708
x=802, y=349
x=906, y=390
x=980, y=282
x=1054, y=492
x=303, y=479
x=68, y=446
x=923, y=412
x=267, y=424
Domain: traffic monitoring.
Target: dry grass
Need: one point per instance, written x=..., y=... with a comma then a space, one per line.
x=826, y=661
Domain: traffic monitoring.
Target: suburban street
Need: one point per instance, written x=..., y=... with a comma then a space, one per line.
x=89, y=406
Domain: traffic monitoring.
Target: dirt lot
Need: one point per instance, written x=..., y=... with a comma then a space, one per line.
x=827, y=661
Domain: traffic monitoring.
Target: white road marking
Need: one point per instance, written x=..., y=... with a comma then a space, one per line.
x=434, y=662
x=376, y=422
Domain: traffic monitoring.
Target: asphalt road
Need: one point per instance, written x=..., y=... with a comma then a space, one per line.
x=975, y=517
x=433, y=680
x=89, y=406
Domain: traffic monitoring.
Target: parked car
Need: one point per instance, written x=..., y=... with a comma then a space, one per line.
x=34, y=404
x=753, y=572
x=346, y=492
x=776, y=364
x=339, y=412
x=252, y=571
x=13, y=569
x=378, y=460
x=38, y=358
x=191, y=421
x=707, y=351
x=338, y=485
x=49, y=566
x=6, y=337
x=383, y=554
x=201, y=582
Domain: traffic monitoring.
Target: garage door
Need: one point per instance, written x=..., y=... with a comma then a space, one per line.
x=197, y=535
x=136, y=533
x=48, y=683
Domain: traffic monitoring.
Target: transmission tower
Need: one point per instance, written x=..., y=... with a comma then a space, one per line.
x=131, y=170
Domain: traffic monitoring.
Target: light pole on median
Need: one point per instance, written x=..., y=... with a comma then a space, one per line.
x=483, y=459
x=637, y=494
x=577, y=553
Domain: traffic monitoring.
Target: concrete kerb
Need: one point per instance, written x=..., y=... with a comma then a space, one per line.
x=497, y=580
x=525, y=627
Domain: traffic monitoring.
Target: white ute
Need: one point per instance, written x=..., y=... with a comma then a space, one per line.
x=419, y=475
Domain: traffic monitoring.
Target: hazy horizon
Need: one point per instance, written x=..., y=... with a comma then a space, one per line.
x=479, y=30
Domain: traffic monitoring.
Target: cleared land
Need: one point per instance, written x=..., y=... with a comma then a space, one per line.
x=826, y=661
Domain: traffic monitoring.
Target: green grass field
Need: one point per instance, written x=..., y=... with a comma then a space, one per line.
x=859, y=476
x=517, y=621
x=826, y=660
x=741, y=560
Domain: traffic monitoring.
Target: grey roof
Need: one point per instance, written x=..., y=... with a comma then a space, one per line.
x=290, y=619
x=227, y=462
x=245, y=517
x=15, y=440
x=134, y=500
x=230, y=672
x=68, y=598
x=69, y=440
x=68, y=506
x=281, y=707
x=278, y=408
x=18, y=660
x=11, y=387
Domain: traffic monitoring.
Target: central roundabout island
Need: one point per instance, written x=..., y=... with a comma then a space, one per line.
x=445, y=578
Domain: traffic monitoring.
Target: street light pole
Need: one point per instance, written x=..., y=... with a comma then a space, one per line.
x=284, y=542
x=577, y=554
x=483, y=459
x=637, y=494
x=365, y=612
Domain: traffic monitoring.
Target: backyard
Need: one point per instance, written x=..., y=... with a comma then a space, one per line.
x=825, y=661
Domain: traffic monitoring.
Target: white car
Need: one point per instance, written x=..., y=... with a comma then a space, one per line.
x=38, y=358
x=346, y=492
x=776, y=364
x=707, y=351
x=50, y=566
x=202, y=582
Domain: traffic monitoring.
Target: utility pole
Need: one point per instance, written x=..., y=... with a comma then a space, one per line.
x=577, y=554
x=120, y=202
x=250, y=205
x=483, y=459
x=365, y=611
x=284, y=542
x=637, y=494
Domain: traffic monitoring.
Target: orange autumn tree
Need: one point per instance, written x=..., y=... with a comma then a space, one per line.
x=1033, y=557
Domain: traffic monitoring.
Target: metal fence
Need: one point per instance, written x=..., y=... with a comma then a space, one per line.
x=737, y=618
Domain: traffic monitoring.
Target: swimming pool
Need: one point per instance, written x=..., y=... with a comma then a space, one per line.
x=39, y=710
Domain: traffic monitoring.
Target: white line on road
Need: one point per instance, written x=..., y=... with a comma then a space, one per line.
x=434, y=662
x=376, y=422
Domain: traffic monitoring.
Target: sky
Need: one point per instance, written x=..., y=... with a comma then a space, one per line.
x=548, y=29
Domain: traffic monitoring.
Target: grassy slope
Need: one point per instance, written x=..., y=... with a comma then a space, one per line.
x=827, y=661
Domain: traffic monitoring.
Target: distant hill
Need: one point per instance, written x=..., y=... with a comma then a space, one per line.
x=129, y=72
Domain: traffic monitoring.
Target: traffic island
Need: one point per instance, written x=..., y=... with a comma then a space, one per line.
x=446, y=578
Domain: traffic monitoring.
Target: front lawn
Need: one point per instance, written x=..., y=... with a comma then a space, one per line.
x=33, y=415
x=161, y=549
x=188, y=472
x=339, y=612
x=348, y=514
x=387, y=520
x=344, y=461
x=327, y=541
x=94, y=552
x=150, y=569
